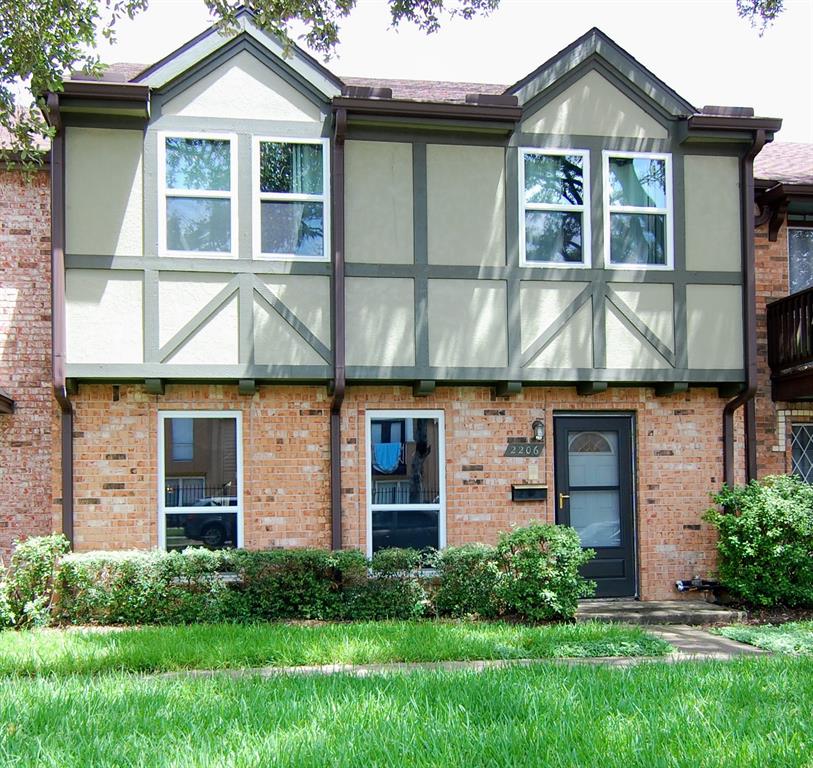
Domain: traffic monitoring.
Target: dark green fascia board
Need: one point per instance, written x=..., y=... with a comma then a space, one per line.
x=546, y=376
x=244, y=12
x=95, y=120
x=425, y=125
x=74, y=105
x=216, y=373
x=596, y=43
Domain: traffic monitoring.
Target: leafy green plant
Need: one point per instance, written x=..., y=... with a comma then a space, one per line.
x=765, y=543
x=541, y=571
x=28, y=586
x=468, y=581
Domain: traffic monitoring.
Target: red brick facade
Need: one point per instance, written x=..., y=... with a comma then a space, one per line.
x=25, y=357
x=286, y=465
x=774, y=420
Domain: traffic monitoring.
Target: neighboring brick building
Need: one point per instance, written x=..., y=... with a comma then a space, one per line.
x=26, y=435
x=784, y=236
x=380, y=379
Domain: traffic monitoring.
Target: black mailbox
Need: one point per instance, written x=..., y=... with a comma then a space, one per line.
x=529, y=492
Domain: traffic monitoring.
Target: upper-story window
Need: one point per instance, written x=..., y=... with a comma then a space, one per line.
x=800, y=259
x=637, y=210
x=198, y=178
x=554, y=220
x=291, y=212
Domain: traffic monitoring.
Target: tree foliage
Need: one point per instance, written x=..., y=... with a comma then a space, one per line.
x=41, y=41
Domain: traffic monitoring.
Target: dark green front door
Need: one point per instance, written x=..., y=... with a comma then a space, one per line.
x=594, y=494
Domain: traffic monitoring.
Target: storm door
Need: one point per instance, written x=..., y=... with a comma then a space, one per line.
x=594, y=495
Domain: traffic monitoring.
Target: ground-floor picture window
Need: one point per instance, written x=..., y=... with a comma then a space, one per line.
x=200, y=479
x=405, y=480
x=802, y=451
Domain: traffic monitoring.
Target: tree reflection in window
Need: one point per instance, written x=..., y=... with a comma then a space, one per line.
x=292, y=198
x=554, y=196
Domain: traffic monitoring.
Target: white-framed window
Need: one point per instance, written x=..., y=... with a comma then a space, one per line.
x=406, y=480
x=800, y=259
x=200, y=501
x=291, y=199
x=638, y=221
x=554, y=216
x=801, y=445
x=197, y=190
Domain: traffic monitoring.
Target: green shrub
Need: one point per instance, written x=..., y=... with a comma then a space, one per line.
x=468, y=581
x=541, y=578
x=143, y=588
x=393, y=589
x=765, y=544
x=28, y=586
x=532, y=574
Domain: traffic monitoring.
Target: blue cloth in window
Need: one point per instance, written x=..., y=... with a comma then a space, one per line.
x=386, y=457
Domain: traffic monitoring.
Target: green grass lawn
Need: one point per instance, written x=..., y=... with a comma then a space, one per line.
x=795, y=637
x=752, y=712
x=149, y=649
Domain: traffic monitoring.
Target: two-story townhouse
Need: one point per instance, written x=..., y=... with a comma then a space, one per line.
x=297, y=310
x=784, y=298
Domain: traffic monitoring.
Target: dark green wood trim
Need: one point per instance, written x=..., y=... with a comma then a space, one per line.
x=247, y=386
x=198, y=320
x=423, y=387
x=598, y=292
x=154, y=386
x=278, y=306
x=542, y=341
x=199, y=265
x=586, y=388
x=671, y=388
x=420, y=239
x=150, y=308
x=631, y=320
x=214, y=60
x=508, y=388
x=245, y=300
x=118, y=372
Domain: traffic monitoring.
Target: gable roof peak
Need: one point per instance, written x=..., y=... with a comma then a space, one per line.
x=598, y=44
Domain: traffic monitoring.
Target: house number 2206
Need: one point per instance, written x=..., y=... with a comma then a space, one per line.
x=523, y=449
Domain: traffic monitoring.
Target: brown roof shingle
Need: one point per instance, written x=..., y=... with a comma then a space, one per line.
x=427, y=90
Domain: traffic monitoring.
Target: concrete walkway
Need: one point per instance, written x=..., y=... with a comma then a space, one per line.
x=690, y=644
x=683, y=612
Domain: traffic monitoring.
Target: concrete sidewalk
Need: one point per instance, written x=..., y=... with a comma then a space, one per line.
x=690, y=644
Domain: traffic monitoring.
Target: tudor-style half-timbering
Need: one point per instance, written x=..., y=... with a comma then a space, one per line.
x=571, y=248
x=198, y=241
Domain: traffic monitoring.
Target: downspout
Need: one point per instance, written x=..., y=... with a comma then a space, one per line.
x=746, y=397
x=340, y=129
x=58, y=338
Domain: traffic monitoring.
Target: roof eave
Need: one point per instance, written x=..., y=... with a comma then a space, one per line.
x=428, y=109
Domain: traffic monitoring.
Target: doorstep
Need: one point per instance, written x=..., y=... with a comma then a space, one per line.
x=685, y=612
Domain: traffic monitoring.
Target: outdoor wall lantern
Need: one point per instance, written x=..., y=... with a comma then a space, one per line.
x=538, y=428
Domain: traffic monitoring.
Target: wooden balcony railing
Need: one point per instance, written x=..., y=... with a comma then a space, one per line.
x=790, y=332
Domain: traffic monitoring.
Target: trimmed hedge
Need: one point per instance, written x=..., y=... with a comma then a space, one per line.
x=765, y=545
x=532, y=574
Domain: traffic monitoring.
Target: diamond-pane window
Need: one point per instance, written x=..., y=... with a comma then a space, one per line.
x=802, y=451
